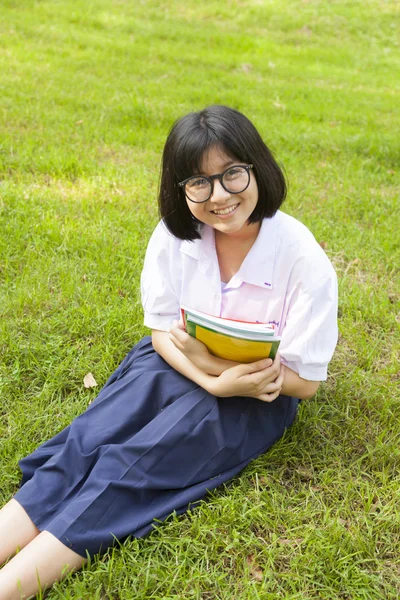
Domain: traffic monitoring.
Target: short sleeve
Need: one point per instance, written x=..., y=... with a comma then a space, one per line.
x=310, y=332
x=160, y=280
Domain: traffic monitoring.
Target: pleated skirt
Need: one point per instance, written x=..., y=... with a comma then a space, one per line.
x=152, y=443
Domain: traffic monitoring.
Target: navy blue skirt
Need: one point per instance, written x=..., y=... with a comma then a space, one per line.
x=152, y=443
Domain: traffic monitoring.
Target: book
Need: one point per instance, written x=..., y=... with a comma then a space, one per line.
x=239, y=341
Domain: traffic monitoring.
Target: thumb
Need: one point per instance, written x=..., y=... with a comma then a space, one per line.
x=259, y=365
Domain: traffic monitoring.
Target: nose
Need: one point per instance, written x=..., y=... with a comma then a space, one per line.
x=219, y=194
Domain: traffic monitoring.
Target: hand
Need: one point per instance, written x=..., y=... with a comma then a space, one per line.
x=192, y=348
x=262, y=380
x=197, y=352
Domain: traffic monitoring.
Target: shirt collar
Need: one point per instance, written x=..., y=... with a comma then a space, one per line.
x=258, y=266
x=202, y=249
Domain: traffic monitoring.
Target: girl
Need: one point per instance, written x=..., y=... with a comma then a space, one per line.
x=174, y=421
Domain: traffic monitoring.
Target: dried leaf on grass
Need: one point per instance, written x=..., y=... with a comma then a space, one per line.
x=89, y=381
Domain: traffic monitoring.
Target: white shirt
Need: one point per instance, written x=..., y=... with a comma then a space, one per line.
x=285, y=279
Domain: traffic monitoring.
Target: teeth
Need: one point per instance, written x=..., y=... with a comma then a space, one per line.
x=225, y=211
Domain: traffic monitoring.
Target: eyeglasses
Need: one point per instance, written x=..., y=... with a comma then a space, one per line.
x=200, y=188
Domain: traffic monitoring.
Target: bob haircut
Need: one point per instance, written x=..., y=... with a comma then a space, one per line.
x=189, y=140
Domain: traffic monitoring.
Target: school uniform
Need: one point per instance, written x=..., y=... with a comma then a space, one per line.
x=154, y=442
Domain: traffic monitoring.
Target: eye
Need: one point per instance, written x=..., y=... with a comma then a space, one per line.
x=198, y=183
x=234, y=173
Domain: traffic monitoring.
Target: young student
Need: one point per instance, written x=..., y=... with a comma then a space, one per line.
x=174, y=421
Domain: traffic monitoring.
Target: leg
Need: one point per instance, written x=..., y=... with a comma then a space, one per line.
x=16, y=529
x=42, y=562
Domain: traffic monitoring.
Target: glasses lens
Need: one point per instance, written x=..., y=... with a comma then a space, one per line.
x=198, y=189
x=236, y=179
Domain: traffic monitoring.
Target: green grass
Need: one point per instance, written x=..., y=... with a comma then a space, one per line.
x=88, y=93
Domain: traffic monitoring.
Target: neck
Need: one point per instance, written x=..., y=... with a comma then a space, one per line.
x=246, y=235
x=232, y=249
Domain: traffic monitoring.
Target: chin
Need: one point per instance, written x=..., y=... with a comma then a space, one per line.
x=225, y=228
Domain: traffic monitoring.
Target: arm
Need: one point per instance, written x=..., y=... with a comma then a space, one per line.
x=163, y=345
x=198, y=354
x=294, y=385
x=261, y=380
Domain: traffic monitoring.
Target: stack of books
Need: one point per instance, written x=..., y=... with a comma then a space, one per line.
x=239, y=341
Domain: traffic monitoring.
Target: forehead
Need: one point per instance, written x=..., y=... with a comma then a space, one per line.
x=215, y=160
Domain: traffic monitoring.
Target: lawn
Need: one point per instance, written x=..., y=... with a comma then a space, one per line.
x=89, y=91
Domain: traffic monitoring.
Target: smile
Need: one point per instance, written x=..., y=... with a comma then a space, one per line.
x=225, y=211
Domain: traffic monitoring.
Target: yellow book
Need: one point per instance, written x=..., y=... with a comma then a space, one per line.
x=239, y=341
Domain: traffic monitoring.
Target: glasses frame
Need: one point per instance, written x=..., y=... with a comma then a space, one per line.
x=211, y=179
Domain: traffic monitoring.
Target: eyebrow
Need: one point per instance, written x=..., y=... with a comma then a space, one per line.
x=224, y=167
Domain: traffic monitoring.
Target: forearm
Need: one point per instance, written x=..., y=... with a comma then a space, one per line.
x=294, y=385
x=215, y=366
x=176, y=359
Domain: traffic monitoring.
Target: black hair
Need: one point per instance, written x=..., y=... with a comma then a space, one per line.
x=189, y=140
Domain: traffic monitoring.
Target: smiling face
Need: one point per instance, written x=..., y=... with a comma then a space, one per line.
x=225, y=212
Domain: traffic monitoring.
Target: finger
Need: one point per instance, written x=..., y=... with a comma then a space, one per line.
x=272, y=387
x=179, y=334
x=173, y=329
x=264, y=398
x=259, y=365
x=277, y=384
x=263, y=378
x=268, y=397
x=276, y=366
x=174, y=340
x=270, y=371
x=280, y=379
